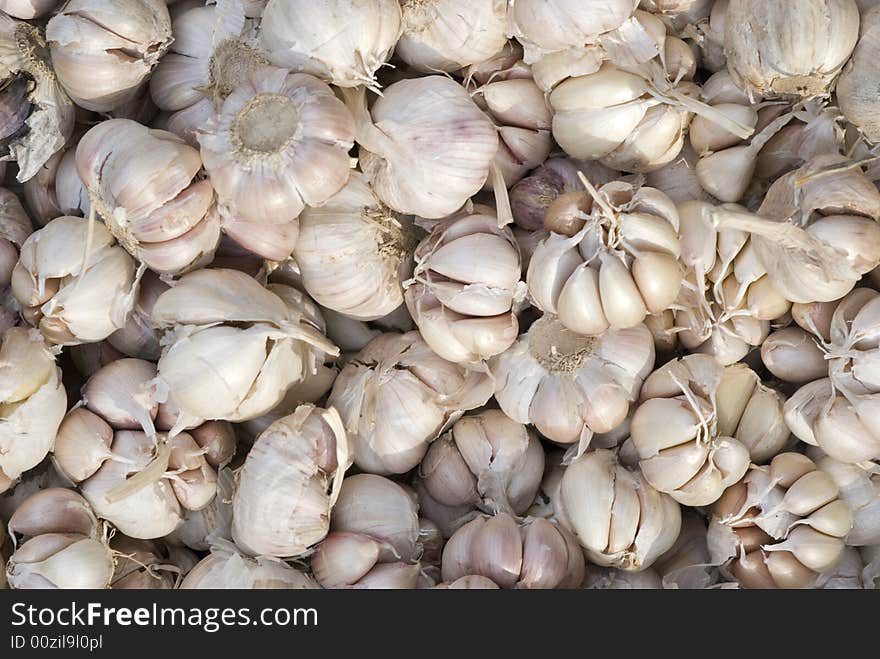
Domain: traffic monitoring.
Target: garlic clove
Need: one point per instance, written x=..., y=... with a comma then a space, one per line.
x=810, y=492
x=579, y=304
x=82, y=444
x=621, y=300
x=54, y=510
x=793, y=355
x=817, y=551
x=659, y=278
x=788, y=572
x=342, y=559
x=118, y=393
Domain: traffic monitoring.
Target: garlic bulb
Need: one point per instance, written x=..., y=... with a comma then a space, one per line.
x=534, y=554
x=697, y=424
x=279, y=141
x=171, y=225
x=619, y=519
x=826, y=209
x=37, y=115
x=610, y=261
x=138, y=338
x=396, y=396
x=353, y=252
x=202, y=528
x=860, y=488
x=74, y=282
x=352, y=560
x=104, y=50
x=15, y=227
x=28, y=9
x=143, y=565
x=464, y=306
x=569, y=385
x=32, y=402
x=854, y=95
x=226, y=568
x=211, y=53
x=374, y=506
x=532, y=196
x=780, y=526
x=790, y=47
x=362, y=36
x=424, y=145
x=289, y=483
x=65, y=545
x=485, y=459
x=256, y=343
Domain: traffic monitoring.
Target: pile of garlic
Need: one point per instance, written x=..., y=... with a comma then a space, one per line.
x=455, y=294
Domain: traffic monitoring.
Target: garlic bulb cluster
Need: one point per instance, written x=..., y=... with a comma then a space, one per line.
x=619, y=519
x=534, y=554
x=700, y=424
x=396, y=396
x=138, y=479
x=854, y=95
x=227, y=568
x=463, y=306
x=64, y=543
x=74, y=283
x=257, y=340
x=425, y=145
x=171, y=226
x=32, y=402
x=791, y=47
x=362, y=36
x=284, y=511
x=37, y=116
x=485, y=460
x=780, y=526
x=279, y=141
x=354, y=252
x=568, y=385
x=610, y=260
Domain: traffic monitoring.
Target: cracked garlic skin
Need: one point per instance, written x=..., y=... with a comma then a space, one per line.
x=568, y=385
x=781, y=526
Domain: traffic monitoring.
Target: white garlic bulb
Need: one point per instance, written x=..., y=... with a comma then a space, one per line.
x=780, y=526
x=256, y=342
x=424, y=145
x=32, y=402
x=342, y=41
x=464, y=306
x=279, y=141
x=447, y=35
x=225, y=567
x=610, y=261
x=352, y=560
x=171, y=225
x=789, y=47
x=289, y=483
x=619, y=519
x=353, y=252
x=38, y=116
x=65, y=547
x=395, y=397
x=854, y=95
x=103, y=50
x=534, y=554
x=485, y=459
x=74, y=282
x=570, y=386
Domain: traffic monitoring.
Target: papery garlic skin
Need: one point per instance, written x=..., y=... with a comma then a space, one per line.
x=595, y=378
x=485, y=459
x=447, y=35
x=172, y=226
x=854, y=95
x=464, y=306
x=38, y=114
x=615, y=270
x=536, y=554
x=284, y=511
x=75, y=284
x=780, y=526
x=86, y=38
x=226, y=568
x=257, y=342
x=354, y=252
x=772, y=47
x=619, y=519
x=395, y=397
x=32, y=402
x=279, y=141
x=294, y=35
x=424, y=145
